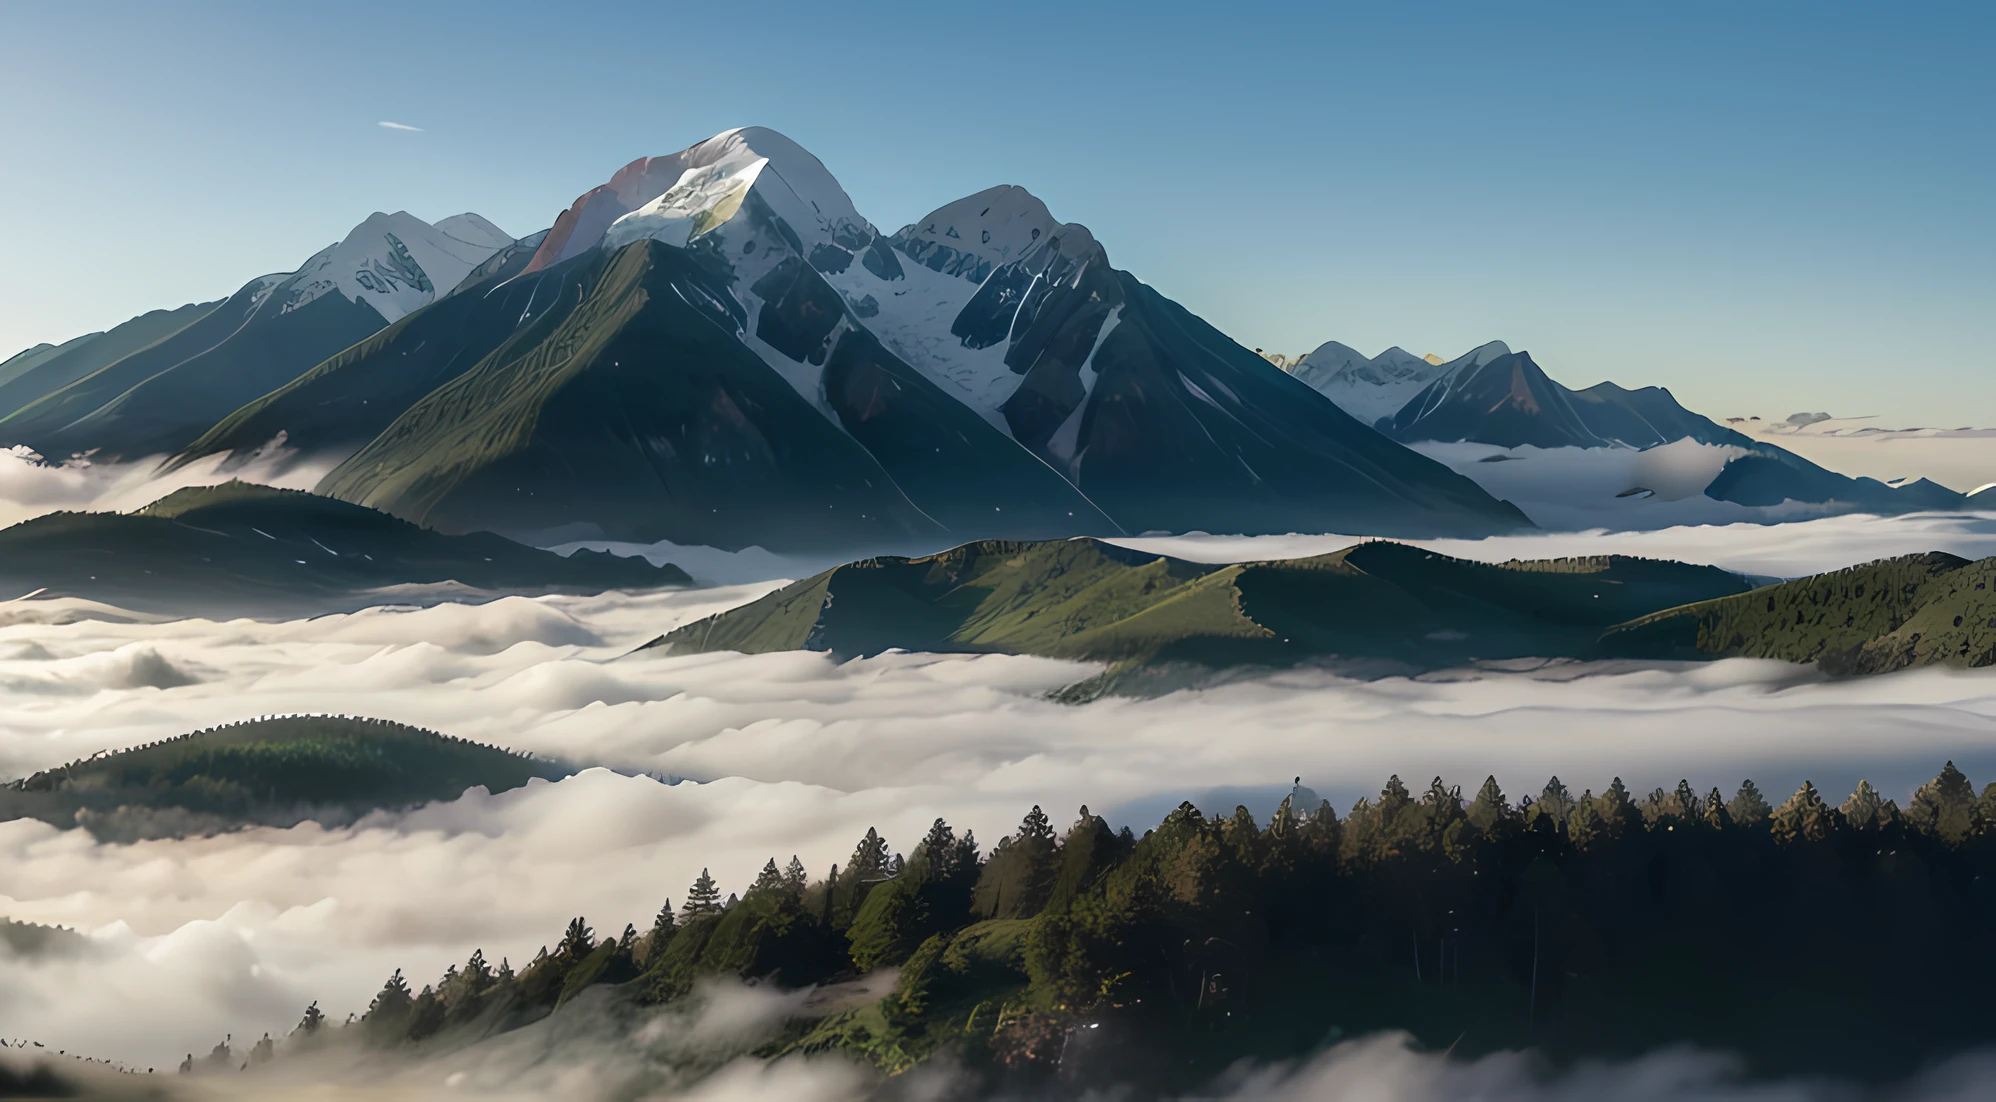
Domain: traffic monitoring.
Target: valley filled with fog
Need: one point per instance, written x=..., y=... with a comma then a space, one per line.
x=722, y=761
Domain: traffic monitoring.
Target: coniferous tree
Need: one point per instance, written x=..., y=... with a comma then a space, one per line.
x=310, y=1023
x=262, y=1051
x=1684, y=803
x=426, y=1016
x=1805, y=817
x=1716, y=815
x=1019, y=877
x=769, y=880
x=794, y=878
x=577, y=942
x=662, y=930
x=1555, y=801
x=702, y=899
x=1490, y=812
x=1748, y=807
x=1945, y=807
x=1584, y=826
x=1617, y=811
x=389, y=1011
x=1866, y=810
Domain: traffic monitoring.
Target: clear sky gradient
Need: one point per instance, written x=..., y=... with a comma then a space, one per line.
x=1765, y=207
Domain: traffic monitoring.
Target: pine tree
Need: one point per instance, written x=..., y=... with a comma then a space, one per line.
x=263, y=1050
x=794, y=878
x=1716, y=815
x=577, y=942
x=870, y=859
x=1805, y=817
x=1945, y=807
x=310, y=1023
x=702, y=899
x=1748, y=808
x=1555, y=801
x=1490, y=812
x=389, y=1010
x=1865, y=810
x=769, y=881
x=938, y=851
x=1618, y=812
x=1684, y=802
x=662, y=930
x=1584, y=827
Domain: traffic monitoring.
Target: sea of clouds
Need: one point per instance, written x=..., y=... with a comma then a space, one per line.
x=723, y=761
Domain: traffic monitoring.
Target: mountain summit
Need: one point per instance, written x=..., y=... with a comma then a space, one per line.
x=715, y=347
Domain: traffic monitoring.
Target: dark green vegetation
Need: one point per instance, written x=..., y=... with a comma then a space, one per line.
x=1084, y=599
x=276, y=771
x=1807, y=938
x=1915, y=610
x=1510, y=402
x=244, y=549
x=1162, y=623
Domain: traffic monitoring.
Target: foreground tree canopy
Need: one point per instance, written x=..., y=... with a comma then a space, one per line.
x=1833, y=938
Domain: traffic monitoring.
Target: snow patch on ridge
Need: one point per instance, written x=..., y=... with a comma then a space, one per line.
x=1377, y=387
x=396, y=263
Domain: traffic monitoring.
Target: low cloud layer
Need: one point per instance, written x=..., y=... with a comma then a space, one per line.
x=793, y=753
x=30, y=487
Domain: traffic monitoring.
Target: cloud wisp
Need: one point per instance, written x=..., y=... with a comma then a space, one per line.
x=386, y=125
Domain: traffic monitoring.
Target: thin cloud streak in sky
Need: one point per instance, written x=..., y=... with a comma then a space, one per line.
x=385, y=125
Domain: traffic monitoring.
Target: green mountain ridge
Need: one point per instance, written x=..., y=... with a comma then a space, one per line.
x=1152, y=618
x=1088, y=600
x=239, y=548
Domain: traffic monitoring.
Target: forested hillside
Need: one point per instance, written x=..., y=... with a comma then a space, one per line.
x=1840, y=939
x=277, y=770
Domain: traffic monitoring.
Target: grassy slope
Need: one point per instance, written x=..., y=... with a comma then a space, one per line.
x=24, y=382
x=355, y=395
x=1089, y=600
x=1908, y=611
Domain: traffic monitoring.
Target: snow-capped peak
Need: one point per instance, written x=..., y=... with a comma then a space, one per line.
x=1376, y=387
x=395, y=263
x=473, y=229
x=681, y=196
x=992, y=228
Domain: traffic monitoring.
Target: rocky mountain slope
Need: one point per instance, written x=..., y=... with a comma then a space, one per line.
x=157, y=398
x=771, y=369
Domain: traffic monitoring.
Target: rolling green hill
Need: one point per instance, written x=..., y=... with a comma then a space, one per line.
x=1089, y=600
x=1915, y=610
x=277, y=770
x=242, y=549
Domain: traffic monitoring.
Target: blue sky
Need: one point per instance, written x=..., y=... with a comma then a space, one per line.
x=1765, y=207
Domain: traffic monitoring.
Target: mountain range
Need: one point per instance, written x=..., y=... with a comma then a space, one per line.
x=714, y=347
x=150, y=386
x=1502, y=398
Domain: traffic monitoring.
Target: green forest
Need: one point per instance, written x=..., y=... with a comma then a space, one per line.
x=275, y=770
x=1832, y=938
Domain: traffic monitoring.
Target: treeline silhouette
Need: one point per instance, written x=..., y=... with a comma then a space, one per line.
x=1848, y=938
